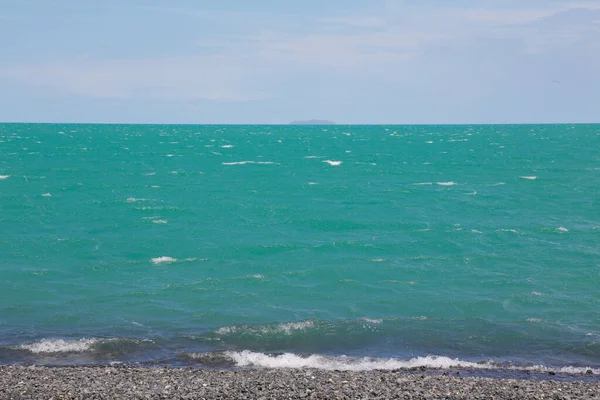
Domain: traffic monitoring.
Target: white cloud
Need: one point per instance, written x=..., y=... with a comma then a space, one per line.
x=377, y=46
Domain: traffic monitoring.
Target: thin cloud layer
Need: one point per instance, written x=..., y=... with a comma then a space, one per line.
x=472, y=49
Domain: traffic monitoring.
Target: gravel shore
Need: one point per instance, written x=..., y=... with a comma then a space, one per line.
x=20, y=382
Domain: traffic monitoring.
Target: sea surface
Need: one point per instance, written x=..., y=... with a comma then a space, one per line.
x=338, y=247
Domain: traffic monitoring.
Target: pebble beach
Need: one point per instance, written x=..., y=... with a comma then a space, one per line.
x=34, y=382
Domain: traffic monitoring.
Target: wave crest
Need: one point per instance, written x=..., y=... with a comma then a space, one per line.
x=248, y=358
x=60, y=345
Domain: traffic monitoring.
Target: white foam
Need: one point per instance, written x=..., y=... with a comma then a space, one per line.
x=378, y=260
x=248, y=358
x=423, y=184
x=160, y=221
x=163, y=259
x=312, y=157
x=567, y=370
x=4, y=177
x=312, y=183
x=562, y=229
x=429, y=142
x=290, y=327
x=534, y=320
x=286, y=328
x=498, y=184
x=537, y=293
x=531, y=178
x=446, y=183
x=59, y=345
x=508, y=230
x=46, y=195
x=250, y=162
x=373, y=321
x=333, y=163
x=227, y=146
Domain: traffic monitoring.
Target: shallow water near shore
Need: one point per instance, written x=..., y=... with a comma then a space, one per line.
x=338, y=247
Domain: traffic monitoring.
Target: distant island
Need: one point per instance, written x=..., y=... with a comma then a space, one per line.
x=313, y=122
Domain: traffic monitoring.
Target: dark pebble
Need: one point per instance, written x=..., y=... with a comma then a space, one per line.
x=23, y=383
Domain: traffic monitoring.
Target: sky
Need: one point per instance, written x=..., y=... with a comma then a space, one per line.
x=274, y=61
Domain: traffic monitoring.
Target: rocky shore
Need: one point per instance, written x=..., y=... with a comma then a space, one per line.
x=33, y=382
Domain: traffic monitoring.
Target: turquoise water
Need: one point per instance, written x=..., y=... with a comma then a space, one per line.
x=224, y=244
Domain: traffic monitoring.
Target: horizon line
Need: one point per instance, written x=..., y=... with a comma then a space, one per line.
x=294, y=124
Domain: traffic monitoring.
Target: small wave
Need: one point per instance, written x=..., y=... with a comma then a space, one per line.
x=562, y=229
x=248, y=358
x=60, y=345
x=333, y=163
x=285, y=328
x=227, y=146
x=531, y=178
x=161, y=260
x=46, y=195
x=534, y=320
x=160, y=221
x=288, y=360
x=423, y=184
x=507, y=230
x=2, y=177
x=312, y=183
x=446, y=183
x=250, y=162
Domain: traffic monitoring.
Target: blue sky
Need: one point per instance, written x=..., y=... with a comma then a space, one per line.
x=274, y=61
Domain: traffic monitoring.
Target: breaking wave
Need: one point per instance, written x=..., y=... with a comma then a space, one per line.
x=60, y=345
x=163, y=260
x=247, y=358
